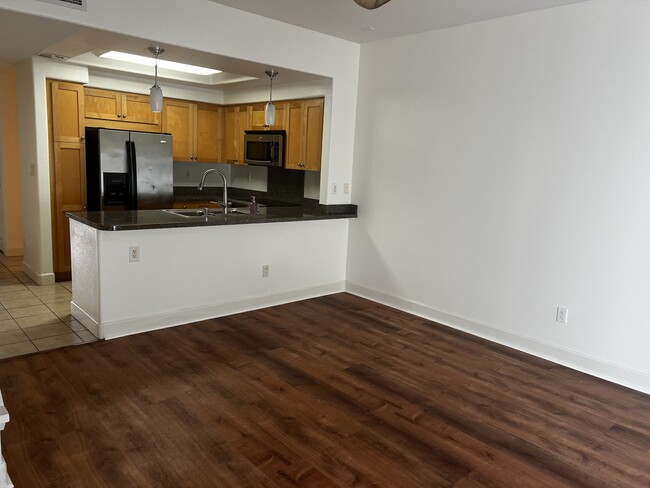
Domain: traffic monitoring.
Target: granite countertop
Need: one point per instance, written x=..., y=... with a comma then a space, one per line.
x=161, y=219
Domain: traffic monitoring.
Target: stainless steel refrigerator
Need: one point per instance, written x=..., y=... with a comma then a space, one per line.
x=128, y=170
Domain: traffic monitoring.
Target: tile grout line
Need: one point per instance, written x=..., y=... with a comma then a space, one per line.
x=13, y=274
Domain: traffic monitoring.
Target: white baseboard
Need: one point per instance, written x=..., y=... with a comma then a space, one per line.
x=40, y=279
x=86, y=320
x=637, y=380
x=112, y=330
x=12, y=252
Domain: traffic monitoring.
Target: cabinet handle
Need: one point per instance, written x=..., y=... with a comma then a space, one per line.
x=124, y=116
x=84, y=208
x=82, y=138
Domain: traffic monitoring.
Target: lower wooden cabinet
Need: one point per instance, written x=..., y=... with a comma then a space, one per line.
x=69, y=185
x=194, y=204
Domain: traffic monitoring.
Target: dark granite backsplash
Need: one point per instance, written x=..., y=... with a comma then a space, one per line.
x=286, y=185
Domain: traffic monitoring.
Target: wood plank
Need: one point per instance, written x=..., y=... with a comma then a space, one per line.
x=330, y=392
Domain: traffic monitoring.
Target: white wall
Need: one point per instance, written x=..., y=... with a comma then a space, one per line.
x=502, y=170
x=11, y=225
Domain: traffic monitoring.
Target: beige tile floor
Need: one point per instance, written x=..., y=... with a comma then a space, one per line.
x=35, y=318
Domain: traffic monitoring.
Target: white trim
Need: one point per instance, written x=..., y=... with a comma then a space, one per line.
x=39, y=279
x=86, y=320
x=615, y=373
x=16, y=251
x=126, y=327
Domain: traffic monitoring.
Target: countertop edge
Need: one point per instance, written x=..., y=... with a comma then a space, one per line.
x=158, y=219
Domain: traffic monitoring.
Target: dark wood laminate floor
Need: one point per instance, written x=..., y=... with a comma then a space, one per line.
x=334, y=391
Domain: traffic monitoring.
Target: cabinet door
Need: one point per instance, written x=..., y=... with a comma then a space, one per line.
x=244, y=117
x=312, y=119
x=102, y=104
x=293, y=158
x=67, y=109
x=237, y=119
x=208, y=136
x=178, y=120
x=230, y=129
x=305, y=135
x=137, y=109
x=258, y=116
x=69, y=196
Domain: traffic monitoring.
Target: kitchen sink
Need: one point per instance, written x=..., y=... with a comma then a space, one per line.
x=197, y=212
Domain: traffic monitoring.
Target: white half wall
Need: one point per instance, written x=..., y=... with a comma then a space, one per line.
x=501, y=171
x=195, y=273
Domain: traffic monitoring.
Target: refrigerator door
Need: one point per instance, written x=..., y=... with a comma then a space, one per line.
x=113, y=169
x=152, y=160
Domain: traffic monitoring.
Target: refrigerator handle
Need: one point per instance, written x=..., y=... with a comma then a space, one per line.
x=133, y=175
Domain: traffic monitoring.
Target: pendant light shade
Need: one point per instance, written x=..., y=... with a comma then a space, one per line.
x=156, y=98
x=269, y=111
x=155, y=93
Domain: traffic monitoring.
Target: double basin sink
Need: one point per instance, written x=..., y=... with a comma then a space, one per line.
x=234, y=208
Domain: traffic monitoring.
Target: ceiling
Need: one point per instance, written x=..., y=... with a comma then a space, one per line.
x=346, y=20
x=339, y=18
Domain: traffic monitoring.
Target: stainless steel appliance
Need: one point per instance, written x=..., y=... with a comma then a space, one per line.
x=128, y=170
x=264, y=147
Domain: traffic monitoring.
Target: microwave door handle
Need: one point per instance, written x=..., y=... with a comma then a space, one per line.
x=266, y=161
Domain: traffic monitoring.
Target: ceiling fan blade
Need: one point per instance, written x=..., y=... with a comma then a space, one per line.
x=371, y=4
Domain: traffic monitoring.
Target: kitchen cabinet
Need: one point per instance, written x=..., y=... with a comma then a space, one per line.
x=67, y=166
x=237, y=119
x=196, y=129
x=69, y=196
x=129, y=110
x=305, y=134
x=66, y=112
x=258, y=118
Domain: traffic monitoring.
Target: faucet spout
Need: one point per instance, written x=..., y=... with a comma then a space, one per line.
x=225, y=186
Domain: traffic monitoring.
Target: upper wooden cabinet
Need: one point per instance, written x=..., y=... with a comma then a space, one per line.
x=196, y=129
x=66, y=112
x=107, y=105
x=305, y=135
x=237, y=119
x=258, y=117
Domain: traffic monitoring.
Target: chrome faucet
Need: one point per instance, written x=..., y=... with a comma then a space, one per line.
x=225, y=187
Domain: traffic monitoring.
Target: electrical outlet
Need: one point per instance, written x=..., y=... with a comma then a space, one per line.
x=562, y=315
x=188, y=175
x=334, y=188
x=265, y=271
x=346, y=188
x=32, y=169
x=134, y=254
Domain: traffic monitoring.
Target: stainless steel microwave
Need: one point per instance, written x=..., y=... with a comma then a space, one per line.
x=264, y=147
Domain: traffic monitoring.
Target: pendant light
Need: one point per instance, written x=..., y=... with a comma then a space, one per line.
x=155, y=94
x=269, y=112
